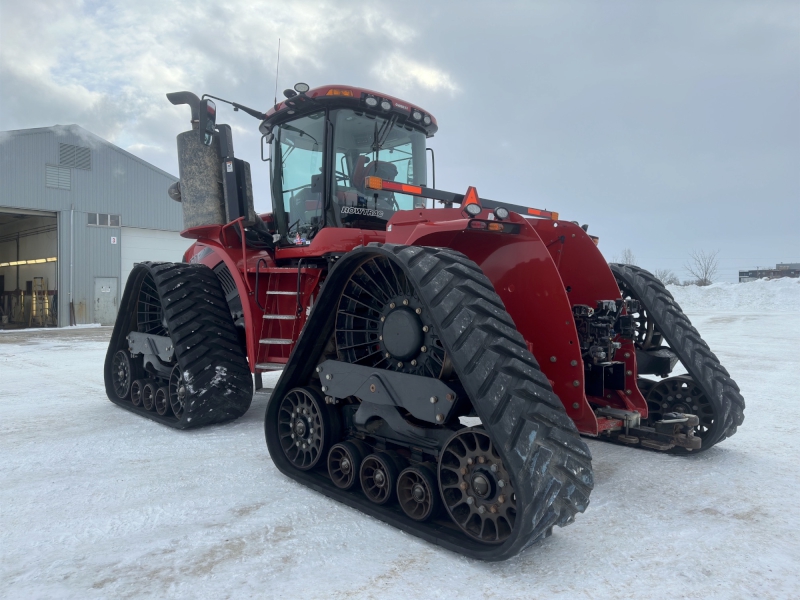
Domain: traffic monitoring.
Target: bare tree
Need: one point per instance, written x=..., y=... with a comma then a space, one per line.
x=627, y=257
x=703, y=266
x=667, y=277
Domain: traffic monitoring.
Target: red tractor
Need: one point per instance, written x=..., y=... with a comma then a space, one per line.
x=442, y=353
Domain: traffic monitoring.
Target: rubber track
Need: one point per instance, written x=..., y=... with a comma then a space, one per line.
x=694, y=353
x=205, y=339
x=537, y=441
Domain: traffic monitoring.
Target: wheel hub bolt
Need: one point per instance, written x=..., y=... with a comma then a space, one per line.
x=481, y=509
x=501, y=499
x=463, y=470
x=405, y=302
x=418, y=311
x=392, y=305
x=413, y=363
x=380, y=478
x=463, y=485
x=423, y=349
x=493, y=508
x=501, y=483
x=383, y=319
x=388, y=355
x=399, y=365
x=345, y=466
x=470, y=461
x=493, y=468
x=425, y=328
x=434, y=399
x=304, y=446
x=481, y=459
x=470, y=500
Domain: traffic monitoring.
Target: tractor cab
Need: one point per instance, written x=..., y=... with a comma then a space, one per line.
x=325, y=142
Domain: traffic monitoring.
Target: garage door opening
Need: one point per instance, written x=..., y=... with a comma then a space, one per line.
x=28, y=269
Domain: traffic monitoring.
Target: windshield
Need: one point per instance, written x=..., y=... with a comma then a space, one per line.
x=297, y=176
x=365, y=145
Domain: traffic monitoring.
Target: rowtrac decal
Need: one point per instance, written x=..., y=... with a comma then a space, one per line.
x=352, y=210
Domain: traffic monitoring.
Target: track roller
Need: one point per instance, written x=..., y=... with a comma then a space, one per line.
x=162, y=400
x=149, y=394
x=137, y=387
x=344, y=464
x=418, y=492
x=378, y=475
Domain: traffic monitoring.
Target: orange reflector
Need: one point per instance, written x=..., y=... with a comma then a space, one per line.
x=471, y=197
x=373, y=183
x=336, y=92
x=545, y=214
x=495, y=227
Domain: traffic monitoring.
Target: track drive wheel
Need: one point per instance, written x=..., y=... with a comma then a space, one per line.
x=725, y=405
x=681, y=394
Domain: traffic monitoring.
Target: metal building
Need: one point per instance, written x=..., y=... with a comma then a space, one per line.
x=76, y=212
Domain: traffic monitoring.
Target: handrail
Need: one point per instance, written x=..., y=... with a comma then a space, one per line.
x=258, y=266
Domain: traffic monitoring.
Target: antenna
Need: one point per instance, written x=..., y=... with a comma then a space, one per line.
x=277, y=66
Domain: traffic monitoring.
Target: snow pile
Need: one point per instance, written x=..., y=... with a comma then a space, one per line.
x=777, y=295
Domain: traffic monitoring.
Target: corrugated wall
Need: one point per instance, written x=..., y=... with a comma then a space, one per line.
x=117, y=183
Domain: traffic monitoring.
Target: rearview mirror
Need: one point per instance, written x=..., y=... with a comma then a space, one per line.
x=208, y=120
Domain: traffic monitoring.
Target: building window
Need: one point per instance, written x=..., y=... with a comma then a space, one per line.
x=75, y=156
x=57, y=177
x=104, y=220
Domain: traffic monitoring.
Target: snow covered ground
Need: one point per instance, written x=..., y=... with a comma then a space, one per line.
x=96, y=502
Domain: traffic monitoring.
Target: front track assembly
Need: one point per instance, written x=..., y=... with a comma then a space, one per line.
x=708, y=392
x=402, y=341
x=174, y=354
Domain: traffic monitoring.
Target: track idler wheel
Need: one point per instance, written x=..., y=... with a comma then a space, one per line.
x=305, y=427
x=418, y=492
x=121, y=374
x=344, y=464
x=149, y=395
x=476, y=487
x=378, y=477
x=177, y=391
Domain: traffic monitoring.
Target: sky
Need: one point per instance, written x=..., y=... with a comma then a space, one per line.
x=667, y=126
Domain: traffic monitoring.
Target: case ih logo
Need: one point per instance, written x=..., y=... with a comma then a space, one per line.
x=352, y=210
x=403, y=106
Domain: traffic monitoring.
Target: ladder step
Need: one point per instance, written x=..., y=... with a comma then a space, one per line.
x=270, y=366
x=280, y=293
x=275, y=341
x=281, y=317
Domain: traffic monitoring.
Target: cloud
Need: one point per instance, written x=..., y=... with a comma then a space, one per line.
x=404, y=73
